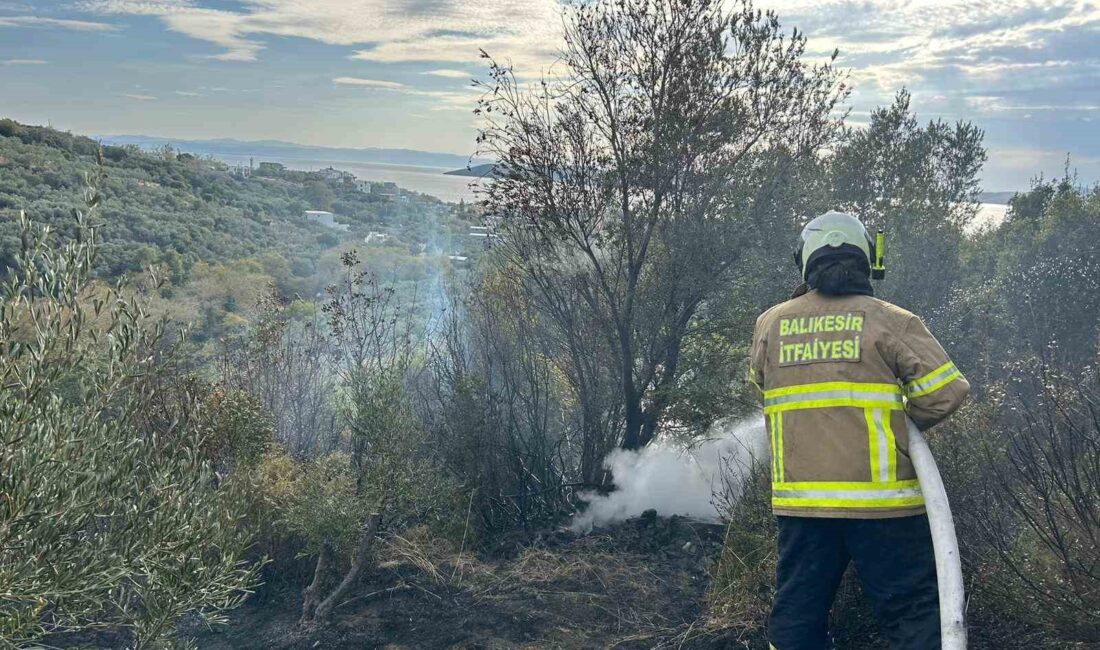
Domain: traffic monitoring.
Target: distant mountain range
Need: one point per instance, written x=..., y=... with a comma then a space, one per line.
x=279, y=150
x=996, y=197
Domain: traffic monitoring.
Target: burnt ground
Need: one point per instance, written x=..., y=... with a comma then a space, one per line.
x=638, y=584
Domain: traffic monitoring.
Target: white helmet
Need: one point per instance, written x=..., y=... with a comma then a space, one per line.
x=833, y=232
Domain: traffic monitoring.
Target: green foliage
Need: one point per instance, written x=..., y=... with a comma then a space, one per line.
x=1032, y=286
x=397, y=472
x=321, y=504
x=154, y=207
x=239, y=429
x=106, y=520
x=177, y=210
x=919, y=184
x=319, y=195
x=324, y=501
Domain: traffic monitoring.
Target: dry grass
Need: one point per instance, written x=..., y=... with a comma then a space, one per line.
x=436, y=559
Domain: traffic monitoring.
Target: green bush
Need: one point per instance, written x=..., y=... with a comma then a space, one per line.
x=107, y=522
x=239, y=430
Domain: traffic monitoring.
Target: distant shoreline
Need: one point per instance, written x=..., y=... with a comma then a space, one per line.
x=477, y=171
x=432, y=181
x=277, y=150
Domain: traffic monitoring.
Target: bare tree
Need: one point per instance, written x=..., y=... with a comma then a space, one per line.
x=370, y=326
x=629, y=183
x=1042, y=515
x=289, y=366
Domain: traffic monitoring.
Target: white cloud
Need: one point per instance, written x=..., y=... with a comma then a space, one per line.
x=442, y=100
x=139, y=97
x=370, y=83
x=993, y=104
x=22, y=62
x=187, y=93
x=450, y=74
x=993, y=61
x=388, y=30
x=40, y=22
x=889, y=43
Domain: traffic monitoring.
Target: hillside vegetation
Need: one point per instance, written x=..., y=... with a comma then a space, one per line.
x=363, y=444
x=216, y=237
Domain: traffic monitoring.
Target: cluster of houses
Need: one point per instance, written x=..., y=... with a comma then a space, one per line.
x=483, y=232
x=387, y=191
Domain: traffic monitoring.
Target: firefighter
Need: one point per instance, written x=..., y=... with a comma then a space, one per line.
x=839, y=371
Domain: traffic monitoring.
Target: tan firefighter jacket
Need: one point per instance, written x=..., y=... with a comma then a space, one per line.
x=838, y=375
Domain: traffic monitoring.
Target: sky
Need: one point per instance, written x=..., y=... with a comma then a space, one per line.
x=396, y=73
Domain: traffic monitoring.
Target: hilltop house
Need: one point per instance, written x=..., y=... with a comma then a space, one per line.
x=483, y=232
x=324, y=218
x=270, y=169
x=333, y=174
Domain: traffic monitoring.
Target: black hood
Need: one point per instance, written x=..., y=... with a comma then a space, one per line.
x=840, y=274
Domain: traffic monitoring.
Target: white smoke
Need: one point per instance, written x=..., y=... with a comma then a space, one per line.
x=674, y=479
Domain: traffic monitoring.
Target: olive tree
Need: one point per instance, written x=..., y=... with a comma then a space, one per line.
x=632, y=186
x=105, y=522
x=288, y=364
x=919, y=184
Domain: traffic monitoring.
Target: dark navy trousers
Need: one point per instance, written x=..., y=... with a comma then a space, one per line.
x=896, y=568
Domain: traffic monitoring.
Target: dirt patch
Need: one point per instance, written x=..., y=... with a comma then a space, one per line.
x=639, y=584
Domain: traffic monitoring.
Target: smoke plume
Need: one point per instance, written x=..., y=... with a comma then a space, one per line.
x=674, y=479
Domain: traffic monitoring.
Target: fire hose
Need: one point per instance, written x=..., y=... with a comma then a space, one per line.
x=944, y=542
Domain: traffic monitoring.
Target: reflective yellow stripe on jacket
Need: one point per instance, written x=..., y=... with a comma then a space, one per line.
x=847, y=495
x=833, y=393
x=884, y=490
x=933, y=381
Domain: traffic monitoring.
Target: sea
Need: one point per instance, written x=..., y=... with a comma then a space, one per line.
x=433, y=181
x=426, y=180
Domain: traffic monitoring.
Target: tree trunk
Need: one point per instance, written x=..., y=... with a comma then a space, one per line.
x=311, y=596
x=652, y=416
x=358, y=564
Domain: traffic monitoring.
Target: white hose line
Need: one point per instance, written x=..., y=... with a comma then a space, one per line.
x=944, y=542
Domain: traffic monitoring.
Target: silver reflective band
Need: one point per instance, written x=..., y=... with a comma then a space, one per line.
x=883, y=450
x=925, y=384
x=899, y=493
x=833, y=394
